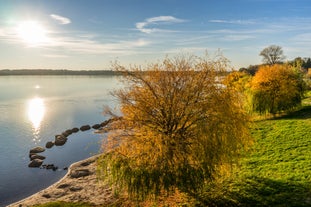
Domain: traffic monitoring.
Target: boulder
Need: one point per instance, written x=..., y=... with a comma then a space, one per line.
x=80, y=173
x=46, y=195
x=50, y=166
x=96, y=126
x=35, y=156
x=35, y=163
x=104, y=123
x=37, y=150
x=65, y=185
x=67, y=133
x=60, y=140
x=75, y=130
x=85, y=127
x=31, y=153
x=75, y=188
x=49, y=145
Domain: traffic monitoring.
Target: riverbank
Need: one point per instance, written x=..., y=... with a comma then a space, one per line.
x=80, y=184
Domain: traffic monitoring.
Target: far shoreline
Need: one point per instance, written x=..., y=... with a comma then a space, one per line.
x=43, y=72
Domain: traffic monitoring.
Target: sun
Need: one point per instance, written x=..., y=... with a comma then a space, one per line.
x=32, y=33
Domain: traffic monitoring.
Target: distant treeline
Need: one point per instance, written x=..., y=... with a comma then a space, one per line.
x=7, y=72
x=56, y=72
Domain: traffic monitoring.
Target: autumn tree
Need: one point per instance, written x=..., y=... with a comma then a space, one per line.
x=272, y=54
x=251, y=70
x=277, y=88
x=303, y=63
x=240, y=82
x=237, y=80
x=180, y=128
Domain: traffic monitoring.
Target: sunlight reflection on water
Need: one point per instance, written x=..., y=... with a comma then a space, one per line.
x=35, y=112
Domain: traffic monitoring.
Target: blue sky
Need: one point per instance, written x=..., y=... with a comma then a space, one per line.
x=91, y=34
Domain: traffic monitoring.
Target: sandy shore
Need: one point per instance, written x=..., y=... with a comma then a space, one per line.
x=80, y=184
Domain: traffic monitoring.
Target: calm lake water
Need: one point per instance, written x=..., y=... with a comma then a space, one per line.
x=33, y=109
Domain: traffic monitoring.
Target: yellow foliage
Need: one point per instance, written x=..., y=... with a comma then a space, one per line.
x=179, y=127
x=277, y=88
x=237, y=80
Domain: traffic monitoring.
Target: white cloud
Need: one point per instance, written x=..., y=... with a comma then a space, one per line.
x=85, y=45
x=187, y=50
x=241, y=22
x=145, y=26
x=238, y=37
x=79, y=42
x=60, y=19
x=302, y=37
x=55, y=56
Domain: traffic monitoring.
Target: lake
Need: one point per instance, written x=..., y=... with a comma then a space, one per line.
x=33, y=109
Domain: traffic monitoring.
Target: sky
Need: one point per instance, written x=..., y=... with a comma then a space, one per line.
x=93, y=34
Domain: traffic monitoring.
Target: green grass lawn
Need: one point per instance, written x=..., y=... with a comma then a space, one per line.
x=277, y=171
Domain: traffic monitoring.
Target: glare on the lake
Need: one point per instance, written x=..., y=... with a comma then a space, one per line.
x=32, y=32
x=35, y=111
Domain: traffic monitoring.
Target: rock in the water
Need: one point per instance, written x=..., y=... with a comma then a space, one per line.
x=31, y=153
x=96, y=126
x=75, y=130
x=37, y=150
x=104, y=123
x=60, y=140
x=35, y=156
x=49, y=145
x=35, y=163
x=85, y=127
x=50, y=166
x=80, y=173
x=67, y=133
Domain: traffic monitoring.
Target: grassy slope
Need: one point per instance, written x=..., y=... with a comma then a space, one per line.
x=277, y=172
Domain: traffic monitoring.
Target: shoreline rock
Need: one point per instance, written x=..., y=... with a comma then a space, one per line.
x=36, y=156
x=60, y=140
x=35, y=163
x=85, y=128
x=84, y=186
x=37, y=150
x=49, y=144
